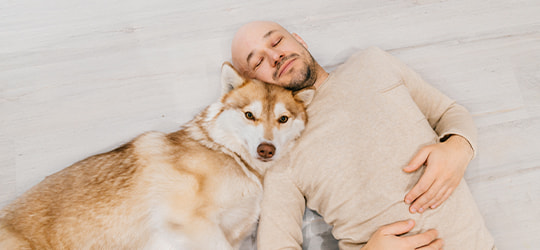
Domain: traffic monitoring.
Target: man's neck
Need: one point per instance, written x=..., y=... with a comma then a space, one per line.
x=322, y=75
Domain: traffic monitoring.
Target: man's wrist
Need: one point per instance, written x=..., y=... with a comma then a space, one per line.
x=462, y=143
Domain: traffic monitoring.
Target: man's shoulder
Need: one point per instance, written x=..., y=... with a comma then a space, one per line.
x=373, y=49
x=366, y=58
x=369, y=53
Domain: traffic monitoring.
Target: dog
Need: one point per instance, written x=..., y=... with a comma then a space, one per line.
x=197, y=188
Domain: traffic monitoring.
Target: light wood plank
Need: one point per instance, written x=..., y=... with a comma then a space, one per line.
x=82, y=77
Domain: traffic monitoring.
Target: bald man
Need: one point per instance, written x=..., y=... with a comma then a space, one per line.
x=369, y=118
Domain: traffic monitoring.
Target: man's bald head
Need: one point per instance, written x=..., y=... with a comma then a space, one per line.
x=266, y=51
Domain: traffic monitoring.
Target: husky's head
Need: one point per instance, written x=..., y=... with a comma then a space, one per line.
x=258, y=120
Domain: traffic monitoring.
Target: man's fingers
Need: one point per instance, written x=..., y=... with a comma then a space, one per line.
x=423, y=185
x=435, y=245
x=434, y=195
x=416, y=193
x=423, y=239
x=397, y=228
x=418, y=160
x=445, y=197
x=421, y=203
x=441, y=196
x=438, y=197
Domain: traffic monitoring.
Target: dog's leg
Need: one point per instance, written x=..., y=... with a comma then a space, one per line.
x=242, y=234
x=167, y=243
x=196, y=235
x=211, y=236
x=217, y=241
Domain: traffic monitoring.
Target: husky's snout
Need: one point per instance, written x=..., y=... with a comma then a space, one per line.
x=266, y=151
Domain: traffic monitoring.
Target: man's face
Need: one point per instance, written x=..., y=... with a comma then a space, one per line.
x=267, y=52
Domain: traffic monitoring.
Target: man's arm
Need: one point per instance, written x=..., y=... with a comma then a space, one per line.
x=445, y=161
x=280, y=223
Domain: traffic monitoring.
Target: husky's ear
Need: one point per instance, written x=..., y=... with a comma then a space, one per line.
x=230, y=78
x=304, y=95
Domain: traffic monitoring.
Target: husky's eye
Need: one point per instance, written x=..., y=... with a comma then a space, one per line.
x=283, y=119
x=249, y=115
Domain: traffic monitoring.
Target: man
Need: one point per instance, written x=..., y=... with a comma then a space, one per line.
x=369, y=118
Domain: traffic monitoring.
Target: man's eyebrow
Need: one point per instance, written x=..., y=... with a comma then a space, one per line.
x=265, y=36
x=249, y=56
x=269, y=33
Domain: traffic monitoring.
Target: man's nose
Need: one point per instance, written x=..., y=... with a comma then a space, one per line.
x=276, y=57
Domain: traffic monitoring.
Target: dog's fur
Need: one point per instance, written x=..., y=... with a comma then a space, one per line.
x=197, y=188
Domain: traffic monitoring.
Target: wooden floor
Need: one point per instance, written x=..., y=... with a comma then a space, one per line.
x=82, y=77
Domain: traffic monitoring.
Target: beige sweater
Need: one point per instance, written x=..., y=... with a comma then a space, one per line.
x=366, y=122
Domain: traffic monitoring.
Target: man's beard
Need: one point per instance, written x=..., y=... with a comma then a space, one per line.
x=306, y=76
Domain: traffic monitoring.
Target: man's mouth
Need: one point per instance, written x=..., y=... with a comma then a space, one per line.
x=286, y=66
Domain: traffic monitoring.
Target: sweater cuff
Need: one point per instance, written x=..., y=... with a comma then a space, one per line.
x=443, y=137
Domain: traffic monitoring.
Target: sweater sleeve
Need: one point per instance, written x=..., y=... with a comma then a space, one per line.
x=283, y=205
x=444, y=115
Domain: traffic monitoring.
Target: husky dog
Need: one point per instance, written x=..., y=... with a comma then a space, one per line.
x=197, y=188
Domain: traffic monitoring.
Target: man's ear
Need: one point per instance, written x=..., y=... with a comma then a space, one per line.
x=300, y=40
x=230, y=78
x=305, y=96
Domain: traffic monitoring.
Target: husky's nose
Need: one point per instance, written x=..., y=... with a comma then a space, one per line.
x=266, y=150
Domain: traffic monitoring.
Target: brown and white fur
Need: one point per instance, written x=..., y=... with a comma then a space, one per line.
x=197, y=188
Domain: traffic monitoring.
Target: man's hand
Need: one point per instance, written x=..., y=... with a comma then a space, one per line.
x=445, y=166
x=387, y=237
